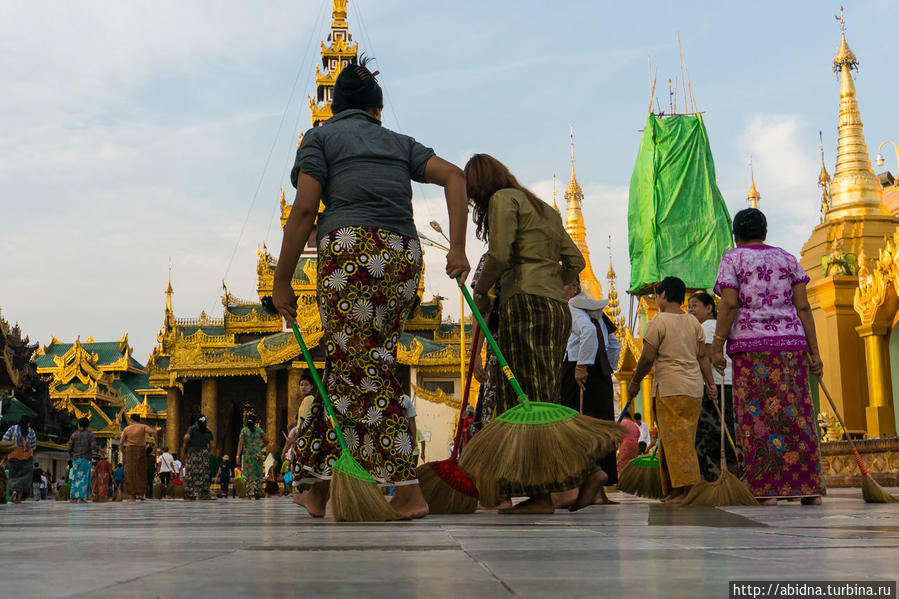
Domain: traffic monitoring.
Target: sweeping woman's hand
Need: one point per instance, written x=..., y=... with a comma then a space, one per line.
x=718, y=360
x=285, y=301
x=457, y=264
x=815, y=365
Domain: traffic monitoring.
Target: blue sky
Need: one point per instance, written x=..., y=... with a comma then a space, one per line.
x=132, y=133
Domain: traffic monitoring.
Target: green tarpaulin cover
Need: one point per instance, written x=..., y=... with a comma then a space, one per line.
x=677, y=221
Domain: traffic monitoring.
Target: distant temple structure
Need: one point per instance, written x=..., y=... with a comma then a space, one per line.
x=100, y=381
x=849, y=257
x=245, y=360
x=577, y=230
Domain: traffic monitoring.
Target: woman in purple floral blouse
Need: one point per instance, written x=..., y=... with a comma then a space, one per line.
x=764, y=316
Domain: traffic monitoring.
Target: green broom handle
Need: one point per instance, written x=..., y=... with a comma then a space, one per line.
x=504, y=366
x=321, y=388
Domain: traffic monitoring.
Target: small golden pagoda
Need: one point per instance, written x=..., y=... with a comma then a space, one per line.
x=753, y=197
x=855, y=223
x=574, y=225
x=246, y=359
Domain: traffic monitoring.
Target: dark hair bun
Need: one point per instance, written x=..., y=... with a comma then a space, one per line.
x=356, y=87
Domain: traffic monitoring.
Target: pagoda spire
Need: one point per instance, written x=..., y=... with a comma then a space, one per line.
x=753, y=197
x=855, y=189
x=555, y=205
x=574, y=225
x=336, y=54
x=823, y=180
x=614, y=307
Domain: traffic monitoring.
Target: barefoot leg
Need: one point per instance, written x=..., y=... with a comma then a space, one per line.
x=566, y=498
x=538, y=504
x=588, y=490
x=315, y=499
x=409, y=501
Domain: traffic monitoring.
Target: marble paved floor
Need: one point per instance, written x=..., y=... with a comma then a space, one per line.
x=270, y=548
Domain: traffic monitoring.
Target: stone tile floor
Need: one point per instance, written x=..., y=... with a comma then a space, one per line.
x=270, y=548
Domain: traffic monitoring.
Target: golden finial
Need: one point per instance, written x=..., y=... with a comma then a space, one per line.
x=855, y=188
x=753, y=197
x=555, y=206
x=299, y=139
x=611, y=273
x=614, y=307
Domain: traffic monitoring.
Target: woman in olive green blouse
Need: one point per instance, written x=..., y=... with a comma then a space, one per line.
x=532, y=257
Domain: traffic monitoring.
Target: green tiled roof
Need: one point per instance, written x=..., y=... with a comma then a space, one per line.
x=244, y=310
x=250, y=349
x=77, y=386
x=208, y=329
x=453, y=328
x=135, y=364
x=107, y=353
x=429, y=346
x=157, y=404
x=430, y=310
x=163, y=362
x=137, y=380
x=132, y=399
x=13, y=410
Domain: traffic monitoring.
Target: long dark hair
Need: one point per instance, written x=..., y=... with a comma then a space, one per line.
x=484, y=176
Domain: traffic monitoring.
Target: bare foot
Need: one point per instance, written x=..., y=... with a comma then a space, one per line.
x=409, y=501
x=603, y=499
x=315, y=499
x=768, y=501
x=588, y=490
x=678, y=495
x=539, y=504
x=811, y=500
x=566, y=498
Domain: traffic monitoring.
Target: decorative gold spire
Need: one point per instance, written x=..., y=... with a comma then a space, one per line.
x=823, y=181
x=169, y=313
x=753, y=197
x=855, y=189
x=574, y=224
x=336, y=54
x=614, y=307
x=555, y=206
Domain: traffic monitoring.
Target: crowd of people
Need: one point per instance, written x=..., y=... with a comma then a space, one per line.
x=558, y=342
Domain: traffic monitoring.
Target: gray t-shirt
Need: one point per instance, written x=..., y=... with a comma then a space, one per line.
x=365, y=172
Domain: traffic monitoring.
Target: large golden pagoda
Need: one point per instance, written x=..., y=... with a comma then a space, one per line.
x=220, y=366
x=574, y=224
x=855, y=223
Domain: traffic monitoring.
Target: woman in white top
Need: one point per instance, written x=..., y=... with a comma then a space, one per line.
x=708, y=433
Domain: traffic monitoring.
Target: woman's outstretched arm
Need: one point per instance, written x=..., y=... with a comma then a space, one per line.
x=296, y=233
x=450, y=177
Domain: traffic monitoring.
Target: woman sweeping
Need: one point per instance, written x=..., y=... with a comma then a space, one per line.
x=196, y=447
x=21, y=460
x=369, y=264
x=101, y=480
x=82, y=447
x=765, y=317
x=532, y=257
x=675, y=345
x=708, y=432
x=251, y=445
x=134, y=444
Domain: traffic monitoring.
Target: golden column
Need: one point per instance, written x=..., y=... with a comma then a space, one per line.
x=173, y=418
x=271, y=412
x=879, y=413
x=855, y=222
x=209, y=407
x=293, y=393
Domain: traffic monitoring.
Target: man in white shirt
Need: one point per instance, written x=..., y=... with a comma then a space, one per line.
x=586, y=381
x=165, y=466
x=645, y=438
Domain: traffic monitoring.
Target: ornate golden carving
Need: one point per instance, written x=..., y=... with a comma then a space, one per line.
x=438, y=396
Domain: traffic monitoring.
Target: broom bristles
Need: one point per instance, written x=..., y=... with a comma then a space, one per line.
x=353, y=500
x=727, y=490
x=442, y=498
x=642, y=482
x=874, y=493
x=526, y=455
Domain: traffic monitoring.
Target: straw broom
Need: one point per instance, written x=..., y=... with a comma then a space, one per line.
x=728, y=489
x=872, y=492
x=534, y=443
x=642, y=477
x=355, y=496
x=446, y=488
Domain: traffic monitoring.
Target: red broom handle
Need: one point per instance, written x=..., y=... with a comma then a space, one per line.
x=475, y=342
x=858, y=457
